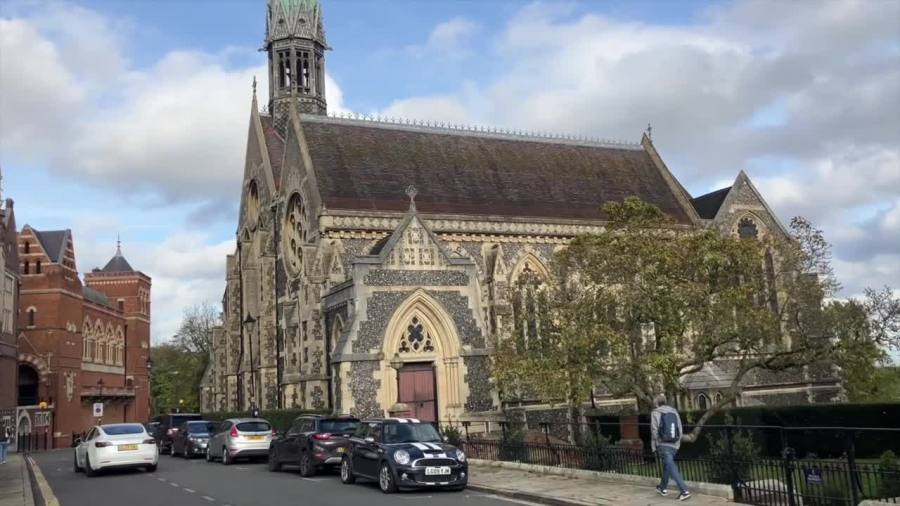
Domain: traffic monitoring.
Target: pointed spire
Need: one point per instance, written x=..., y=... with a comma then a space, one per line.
x=118, y=245
x=649, y=131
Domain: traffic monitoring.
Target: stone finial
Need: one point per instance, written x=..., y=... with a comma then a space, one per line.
x=649, y=131
x=411, y=192
x=254, y=86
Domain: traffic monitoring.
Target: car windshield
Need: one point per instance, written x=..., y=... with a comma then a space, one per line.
x=339, y=426
x=254, y=426
x=201, y=427
x=411, y=433
x=119, y=430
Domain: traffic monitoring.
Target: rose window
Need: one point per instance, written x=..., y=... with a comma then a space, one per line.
x=416, y=339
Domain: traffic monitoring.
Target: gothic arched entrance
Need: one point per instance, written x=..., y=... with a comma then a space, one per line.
x=29, y=381
x=421, y=368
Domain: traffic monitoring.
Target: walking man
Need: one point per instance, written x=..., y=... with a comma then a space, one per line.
x=665, y=430
x=5, y=436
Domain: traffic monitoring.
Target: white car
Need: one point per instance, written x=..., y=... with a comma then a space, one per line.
x=116, y=445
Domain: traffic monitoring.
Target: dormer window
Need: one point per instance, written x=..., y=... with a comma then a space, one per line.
x=27, y=247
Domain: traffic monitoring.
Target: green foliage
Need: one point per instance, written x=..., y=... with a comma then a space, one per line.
x=889, y=474
x=736, y=462
x=281, y=419
x=453, y=434
x=594, y=444
x=512, y=446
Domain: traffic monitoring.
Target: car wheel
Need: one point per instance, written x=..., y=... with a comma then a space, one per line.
x=307, y=468
x=274, y=465
x=187, y=452
x=347, y=472
x=77, y=468
x=151, y=469
x=88, y=470
x=386, y=479
x=226, y=458
x=209, y=457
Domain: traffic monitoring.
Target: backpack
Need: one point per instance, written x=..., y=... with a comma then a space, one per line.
x=4, y=435
x=668, y=428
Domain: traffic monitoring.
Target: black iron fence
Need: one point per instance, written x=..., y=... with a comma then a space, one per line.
x=835, y=476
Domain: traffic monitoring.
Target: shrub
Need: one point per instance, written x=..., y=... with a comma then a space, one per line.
x=889, y=474
x=512, y=447
x=594, y=448
x=736, y=463
x=280, y=419
x=453, y=434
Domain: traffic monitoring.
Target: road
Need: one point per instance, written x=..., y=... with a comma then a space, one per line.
x=179, y=482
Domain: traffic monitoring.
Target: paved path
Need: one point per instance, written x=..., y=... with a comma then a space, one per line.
x=592, y=492
x=179, y=482
x=15, y=485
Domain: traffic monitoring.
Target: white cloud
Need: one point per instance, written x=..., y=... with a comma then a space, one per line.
x=449, y=40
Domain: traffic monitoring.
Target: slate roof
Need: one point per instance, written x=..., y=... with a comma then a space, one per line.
x=366, y=167
x=707, y=206
x=117, y=263
x=53, y=242
x=95, y=296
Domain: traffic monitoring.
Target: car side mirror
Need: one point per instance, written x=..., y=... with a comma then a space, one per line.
x=369, y=439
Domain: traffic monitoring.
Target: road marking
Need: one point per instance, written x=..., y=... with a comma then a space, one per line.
x=161, y=479
x=242, y=468
x=208, y=498
x=314, y=480
x=173, y=484
x=189, y=490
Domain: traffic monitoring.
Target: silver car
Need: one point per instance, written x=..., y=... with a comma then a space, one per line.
x=239, y=438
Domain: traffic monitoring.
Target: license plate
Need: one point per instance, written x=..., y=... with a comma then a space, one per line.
x=340, y=449
x=437, y=471
x=255, y=438
x=127, y=448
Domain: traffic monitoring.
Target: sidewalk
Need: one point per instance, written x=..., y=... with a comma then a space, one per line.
x=15, y=483
x=569, y=491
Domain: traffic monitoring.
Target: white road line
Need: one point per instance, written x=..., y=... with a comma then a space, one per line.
x=241, y=468
x=314, y=480
x=189, y=490
x=208, y=498
x=161, y=479
x=173, y=484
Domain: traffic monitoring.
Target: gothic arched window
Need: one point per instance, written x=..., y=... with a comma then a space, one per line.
x=416, y=339
x=528, y=300
x=295, y=233
x=252, y=204
x=702, y=401
x=747, y=229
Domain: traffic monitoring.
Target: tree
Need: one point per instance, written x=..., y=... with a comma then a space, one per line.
x=637, y=308
x=178, y=365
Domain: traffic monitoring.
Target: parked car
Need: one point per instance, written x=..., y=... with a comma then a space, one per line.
x=403, y=453
x=117, y=445
x=240, y=438
x=312, y=442
x=192, y=437
x=168, y=426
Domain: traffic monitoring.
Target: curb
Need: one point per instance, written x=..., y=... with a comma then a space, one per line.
x=46, y=493
x=527, y=496
x=27, y=493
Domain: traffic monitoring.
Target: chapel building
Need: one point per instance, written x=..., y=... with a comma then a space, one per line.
x=375, y=257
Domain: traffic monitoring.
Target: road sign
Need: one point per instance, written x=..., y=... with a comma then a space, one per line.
x=98, y=409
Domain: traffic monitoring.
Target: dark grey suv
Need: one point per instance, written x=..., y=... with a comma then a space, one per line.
x=312, y=442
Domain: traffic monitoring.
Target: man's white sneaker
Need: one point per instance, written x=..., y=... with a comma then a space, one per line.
x=684, y=496
x=661, y=491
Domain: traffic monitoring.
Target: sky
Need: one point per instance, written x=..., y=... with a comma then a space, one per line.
x=130, y=117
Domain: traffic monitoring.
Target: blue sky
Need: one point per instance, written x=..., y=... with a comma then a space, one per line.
x=130, y=117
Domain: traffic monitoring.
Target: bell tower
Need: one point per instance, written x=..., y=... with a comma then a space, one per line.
x=295, y=43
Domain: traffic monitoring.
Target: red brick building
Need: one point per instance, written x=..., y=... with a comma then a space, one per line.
x=9, y=291
x=80, y=343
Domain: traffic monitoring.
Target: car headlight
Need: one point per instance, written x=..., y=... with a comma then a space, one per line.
x=460, y=456
x=401, y=457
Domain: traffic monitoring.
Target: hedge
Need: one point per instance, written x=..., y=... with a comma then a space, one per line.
x=280, y=419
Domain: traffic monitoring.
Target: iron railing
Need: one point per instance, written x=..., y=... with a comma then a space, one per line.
x=729, y=455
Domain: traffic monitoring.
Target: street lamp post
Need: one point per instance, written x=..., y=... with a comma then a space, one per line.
x=250, y=320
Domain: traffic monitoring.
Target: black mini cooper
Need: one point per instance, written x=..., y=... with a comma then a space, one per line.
x=403, y=453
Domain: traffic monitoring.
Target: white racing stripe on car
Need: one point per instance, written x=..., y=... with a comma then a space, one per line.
x=414, y=420
x=432, y=446
x=420, y=446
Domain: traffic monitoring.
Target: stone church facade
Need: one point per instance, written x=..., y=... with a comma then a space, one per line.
x=373, y=258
